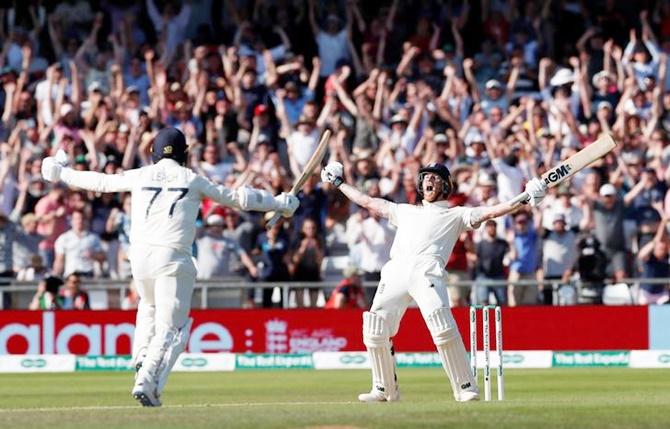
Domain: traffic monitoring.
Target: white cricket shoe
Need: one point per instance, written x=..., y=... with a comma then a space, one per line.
x=468, y=395
x=372, y=396
x=145, y=393
x=376, y=396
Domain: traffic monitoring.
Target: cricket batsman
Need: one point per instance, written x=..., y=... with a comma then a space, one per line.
x=165, y=198
x=424, y=240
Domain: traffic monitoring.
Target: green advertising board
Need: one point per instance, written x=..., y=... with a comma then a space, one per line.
x=416, y=360
x=270, y=361
x=104, y=363
x=599, y=358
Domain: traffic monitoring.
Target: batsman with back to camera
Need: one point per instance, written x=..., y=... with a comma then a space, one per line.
x=424, y=239
x=165, y=200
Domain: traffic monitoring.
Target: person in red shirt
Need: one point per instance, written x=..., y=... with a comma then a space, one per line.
x=458, y=270
x=71, y=296
x=349, y=292
x=457, y=264
x=51, y=213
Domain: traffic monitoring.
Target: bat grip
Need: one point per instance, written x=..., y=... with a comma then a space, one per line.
x=519, y=199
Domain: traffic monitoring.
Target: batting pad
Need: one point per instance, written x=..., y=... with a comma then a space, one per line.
x=376, y=339
x=176, y=344
x=144, y=331
x=451, y=350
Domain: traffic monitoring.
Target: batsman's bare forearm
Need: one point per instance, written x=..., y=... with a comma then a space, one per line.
x=378, y=205
x=484, y=213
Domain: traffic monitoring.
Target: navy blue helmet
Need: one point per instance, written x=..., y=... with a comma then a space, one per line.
x=169, y=143
x=443, y=172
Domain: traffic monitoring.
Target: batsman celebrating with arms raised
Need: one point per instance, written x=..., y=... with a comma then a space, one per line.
x=165, y=200
x=425, y=237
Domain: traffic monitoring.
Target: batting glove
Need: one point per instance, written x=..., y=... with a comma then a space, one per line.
x=287, y=203
x=332, y=173
x=536, y=190
x=52, y=166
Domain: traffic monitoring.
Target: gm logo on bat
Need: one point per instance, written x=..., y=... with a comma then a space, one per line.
x=558, y=174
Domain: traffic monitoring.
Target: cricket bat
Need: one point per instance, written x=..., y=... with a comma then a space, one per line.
x=314, y=161
x=572, y=165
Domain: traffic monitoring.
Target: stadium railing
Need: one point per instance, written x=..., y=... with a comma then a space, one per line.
x=232, y=293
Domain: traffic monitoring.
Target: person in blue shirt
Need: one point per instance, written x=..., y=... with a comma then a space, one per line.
x=313, y=205
x=272, y=247
x=525, y=263
x=654, y=258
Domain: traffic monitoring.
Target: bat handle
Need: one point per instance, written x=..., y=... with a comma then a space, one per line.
x=519, y=199
x=273, y=220
x=275, y=217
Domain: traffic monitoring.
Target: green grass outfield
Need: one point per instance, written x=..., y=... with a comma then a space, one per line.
x=544, y=398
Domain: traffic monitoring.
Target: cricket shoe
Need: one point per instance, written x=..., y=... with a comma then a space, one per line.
x=376, y=396
x=468, y=395
x=145, y=393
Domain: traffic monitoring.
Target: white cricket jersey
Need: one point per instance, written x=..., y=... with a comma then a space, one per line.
x=427, y=233
x=165, y=199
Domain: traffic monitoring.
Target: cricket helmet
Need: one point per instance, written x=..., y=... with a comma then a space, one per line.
x=169, y=143
x=443, y=172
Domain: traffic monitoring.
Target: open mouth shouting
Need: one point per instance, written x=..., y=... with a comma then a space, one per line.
x=432, y=187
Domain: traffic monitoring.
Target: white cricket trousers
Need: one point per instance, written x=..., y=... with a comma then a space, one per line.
x=424, y=280
x=164, y=279
x=402, y=281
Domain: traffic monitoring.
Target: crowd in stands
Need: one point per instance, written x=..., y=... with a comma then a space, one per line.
x=497, y=90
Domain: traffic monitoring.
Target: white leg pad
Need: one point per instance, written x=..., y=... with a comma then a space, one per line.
x=177, y=346
x=144, y=331
x=165, y=348
x=452, y=353
x=377, y=341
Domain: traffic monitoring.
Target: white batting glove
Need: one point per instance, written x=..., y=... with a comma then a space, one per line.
x=332, y=173
x=287, y=203
x=61, y=157
x=52, y=166
x=51, y=169
x=536, y=190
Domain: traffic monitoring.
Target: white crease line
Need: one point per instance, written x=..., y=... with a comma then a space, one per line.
x=129, y=407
